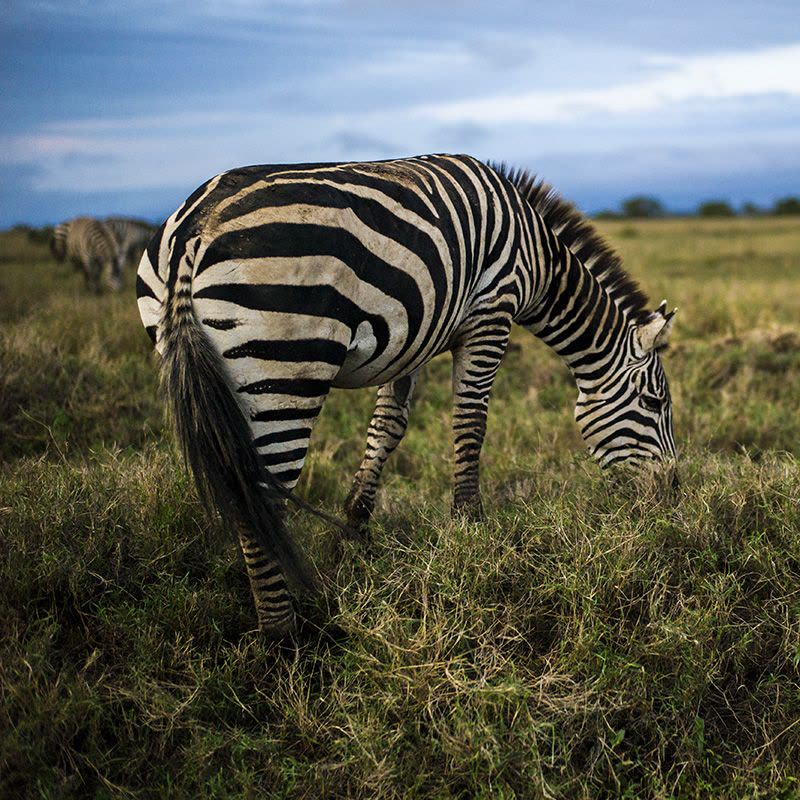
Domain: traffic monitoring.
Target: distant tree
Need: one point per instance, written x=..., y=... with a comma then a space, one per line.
x=607, y=214
x=715, y=208
x=36, y=235
x=787, y=205
x=642, y=206
x=751, y=209
x=40, y=235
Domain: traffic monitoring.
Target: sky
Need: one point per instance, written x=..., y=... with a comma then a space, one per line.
x=111, y=107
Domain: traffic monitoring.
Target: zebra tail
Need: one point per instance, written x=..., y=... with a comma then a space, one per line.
x=216, y=440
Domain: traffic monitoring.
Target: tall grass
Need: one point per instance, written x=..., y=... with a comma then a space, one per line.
x=577, y=643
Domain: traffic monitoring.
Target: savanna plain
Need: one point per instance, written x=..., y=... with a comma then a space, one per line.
x=581, y=642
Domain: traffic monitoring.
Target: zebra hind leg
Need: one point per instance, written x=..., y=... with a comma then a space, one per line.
x=281, y=425
x=386, y=430
x=274, y=607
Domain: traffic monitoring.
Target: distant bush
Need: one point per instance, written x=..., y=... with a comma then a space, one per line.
x=607, y=214
x=36, y=235
x=751, y=209
x=41, y=235
x=787, y=205
x=642, y=206
x=715, y=208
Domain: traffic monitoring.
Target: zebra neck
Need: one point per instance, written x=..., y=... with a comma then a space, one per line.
x=577, y=317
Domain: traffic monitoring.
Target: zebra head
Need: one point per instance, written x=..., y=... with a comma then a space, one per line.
x=626, y=419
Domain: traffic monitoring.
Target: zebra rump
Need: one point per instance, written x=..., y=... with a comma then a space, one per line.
x=217, y=444
x=58, y=241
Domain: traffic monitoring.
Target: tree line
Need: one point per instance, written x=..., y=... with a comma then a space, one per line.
x=648, y=207
x=640, y=206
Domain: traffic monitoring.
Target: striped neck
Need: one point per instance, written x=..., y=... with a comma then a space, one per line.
x=582, y=302
x=575, y=314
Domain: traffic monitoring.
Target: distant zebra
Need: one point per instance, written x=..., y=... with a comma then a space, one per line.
x=132, y=236
x=272, y=284
x=91, y=248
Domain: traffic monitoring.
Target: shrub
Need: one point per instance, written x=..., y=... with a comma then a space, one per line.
x=715, y=208
x=642, y=206
x=787, y=205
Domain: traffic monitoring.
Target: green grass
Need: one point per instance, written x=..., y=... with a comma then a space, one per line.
x=578, y=643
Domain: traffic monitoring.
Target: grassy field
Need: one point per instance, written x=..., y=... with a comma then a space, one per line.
x=577, y=643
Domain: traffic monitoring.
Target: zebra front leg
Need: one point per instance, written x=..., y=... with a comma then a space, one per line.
x=274, y=607
x=92, y=270
x=386, y=429
x=475, y=363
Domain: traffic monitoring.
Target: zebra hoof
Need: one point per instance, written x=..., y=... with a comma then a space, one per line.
x=359, y=544
x=358, y=516
x=281, y=631
x=469, y=510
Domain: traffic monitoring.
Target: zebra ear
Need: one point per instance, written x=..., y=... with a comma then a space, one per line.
x=654, y=334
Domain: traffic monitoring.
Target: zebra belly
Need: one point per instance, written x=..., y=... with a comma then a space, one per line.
x=366, y=364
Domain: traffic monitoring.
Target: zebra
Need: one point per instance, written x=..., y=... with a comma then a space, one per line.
x=270, y=285
x=131, y=235
x=91, y=248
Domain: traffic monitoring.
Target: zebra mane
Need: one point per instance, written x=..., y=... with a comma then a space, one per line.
x=578, y=233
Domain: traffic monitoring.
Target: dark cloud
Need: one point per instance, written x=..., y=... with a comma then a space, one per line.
x=22, y=202
x=208, y=86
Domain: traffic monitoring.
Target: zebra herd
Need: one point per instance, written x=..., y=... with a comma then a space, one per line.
x=270, y=285
x=101, y=248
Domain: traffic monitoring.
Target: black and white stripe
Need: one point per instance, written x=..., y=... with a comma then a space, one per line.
x=299, y=278
x=132, y=236
x=90, y=247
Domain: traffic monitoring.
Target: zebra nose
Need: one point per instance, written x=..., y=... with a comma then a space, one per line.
x=671, y=482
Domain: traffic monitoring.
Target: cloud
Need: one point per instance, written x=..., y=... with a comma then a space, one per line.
x=462, y=136
x=711, y=77
x=418, y=61
x=354, y=144
x=322, y=80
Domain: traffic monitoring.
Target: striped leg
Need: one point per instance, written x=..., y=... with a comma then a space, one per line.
x=276, y=617
x=386, y=429
x=282, y=440
x=114, y=274
x=475, y=363
x=281, y=373
x=92, y=271
x=282, y=446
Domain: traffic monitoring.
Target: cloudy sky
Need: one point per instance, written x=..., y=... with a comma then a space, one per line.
x=124, y=107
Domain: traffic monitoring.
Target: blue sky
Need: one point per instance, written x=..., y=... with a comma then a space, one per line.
x=124, y=107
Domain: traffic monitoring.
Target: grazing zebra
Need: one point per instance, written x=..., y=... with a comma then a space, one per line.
x=132, y=236
x=91, y=248
x=272, y=284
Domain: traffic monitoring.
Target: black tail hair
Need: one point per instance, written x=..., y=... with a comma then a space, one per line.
x=217, y=442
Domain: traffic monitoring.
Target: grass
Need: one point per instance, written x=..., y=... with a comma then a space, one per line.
x=577, y=643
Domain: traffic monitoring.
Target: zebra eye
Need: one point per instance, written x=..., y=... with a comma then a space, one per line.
x=650, y=403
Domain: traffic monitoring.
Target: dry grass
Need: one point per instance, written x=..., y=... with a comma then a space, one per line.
x=577, y=643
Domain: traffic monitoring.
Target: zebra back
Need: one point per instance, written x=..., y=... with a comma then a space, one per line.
x=131, y=235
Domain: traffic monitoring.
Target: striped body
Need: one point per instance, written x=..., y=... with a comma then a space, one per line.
x=90, y=247
x=305, y=277
x=131, y=235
